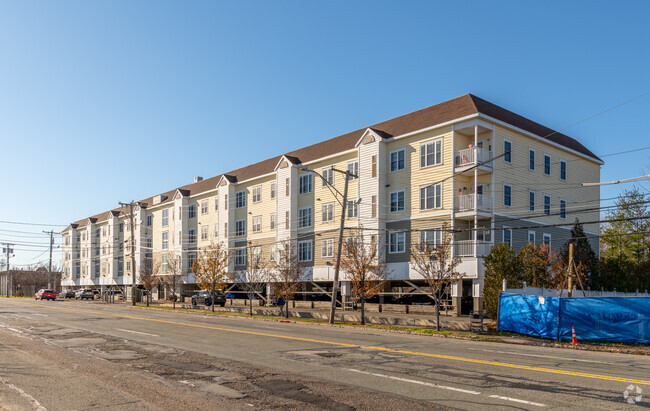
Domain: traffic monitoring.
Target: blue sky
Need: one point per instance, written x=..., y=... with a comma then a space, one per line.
x=112, y=101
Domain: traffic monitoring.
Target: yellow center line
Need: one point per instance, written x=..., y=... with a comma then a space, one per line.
x=407, y=352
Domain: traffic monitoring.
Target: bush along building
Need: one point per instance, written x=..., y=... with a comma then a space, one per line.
x=465, y=165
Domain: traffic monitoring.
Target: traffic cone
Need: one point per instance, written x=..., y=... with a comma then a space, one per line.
x=574, y=340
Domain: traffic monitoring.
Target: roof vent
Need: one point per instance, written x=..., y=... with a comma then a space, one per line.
x=197, y=179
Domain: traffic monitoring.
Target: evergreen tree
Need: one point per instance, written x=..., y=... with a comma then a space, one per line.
x=502, y=263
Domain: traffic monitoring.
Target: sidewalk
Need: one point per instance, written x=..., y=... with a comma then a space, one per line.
x=404, y=320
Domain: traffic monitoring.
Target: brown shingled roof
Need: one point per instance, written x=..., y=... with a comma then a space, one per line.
x=459, y=107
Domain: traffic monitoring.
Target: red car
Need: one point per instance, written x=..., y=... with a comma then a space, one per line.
x=43, y=294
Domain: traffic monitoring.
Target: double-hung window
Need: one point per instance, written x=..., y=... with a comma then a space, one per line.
x=192, y=235
x=431, y=197
x=204, y=232
x=507, y=150
x=272, y=221
x=304, y=217
x=353, y=168
x=431, y=153
x=240, y=257
x=327, y=248
x=397, y=201
x=547, y=204
x=204, y=206
x=257, y=194
x=546, y=239
x=257, y=223
x=240, y=199
x=531, y=159
x=216, y=203
x=531, y=237
x=396, y=242
x=273, y=189
x=353, y=208
x=507, y=195
x=328, y=176
x=562, y=170
x=328, y=212
x=149, y=223
x=305, y=184
x=165, y=240
x=164, y=267
x=429, y=239
x=192, y=211
x=507, y=236
x=216, y=230
x=398, y=160
x=240, y=228
x=562, y=208
x=531, y=200
x=305, y=250
x=547, y=164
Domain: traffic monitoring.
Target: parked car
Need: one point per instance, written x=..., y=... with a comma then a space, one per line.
x=115, y=294
x=44, y=294
x=67, y=294
x=204, y=297
x=84, y=294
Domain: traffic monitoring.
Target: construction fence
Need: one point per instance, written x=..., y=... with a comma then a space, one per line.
x=618, y=319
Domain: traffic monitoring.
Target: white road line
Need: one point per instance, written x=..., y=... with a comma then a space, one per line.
x=428, y=384
x=137, y=332
x=31, y=399
x=517, y=400
x=541, y=356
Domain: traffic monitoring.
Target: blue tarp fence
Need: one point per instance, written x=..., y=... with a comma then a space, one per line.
x=620, y=319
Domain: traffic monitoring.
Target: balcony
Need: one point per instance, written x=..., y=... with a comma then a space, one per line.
x=465, y=248
x=465, y=207
x=469, y=157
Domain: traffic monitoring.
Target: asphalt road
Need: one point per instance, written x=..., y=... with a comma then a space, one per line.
x=78, y=355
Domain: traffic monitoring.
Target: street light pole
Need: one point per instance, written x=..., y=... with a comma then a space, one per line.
x=131, y=206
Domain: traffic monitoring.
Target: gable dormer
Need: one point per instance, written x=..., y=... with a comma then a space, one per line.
x=180, y=193
x=371, y=135
x=287, y=161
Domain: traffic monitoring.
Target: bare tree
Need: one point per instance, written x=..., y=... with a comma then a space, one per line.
x=149, y=276
x=433, y=261
x=211, y=269
x=288, y=273
x=173, y=274
x=256, y=274
x=361, y=262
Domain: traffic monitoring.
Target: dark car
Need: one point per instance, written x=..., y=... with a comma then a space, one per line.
x=44, y=294
x=66, y=294
x=204, y=297
x=84, y=294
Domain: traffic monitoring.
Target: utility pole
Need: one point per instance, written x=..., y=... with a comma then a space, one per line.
x=335, y=285
x=131, y=206
x=9, y=251
x=49, y=270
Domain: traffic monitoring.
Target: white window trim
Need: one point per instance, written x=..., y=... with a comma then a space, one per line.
x=273, y=190
x=237, y=196
x=503, y=199
x=442, y=153
x=503, y=236
x=442, y=199
x=390, y=206
x=236, y=223
x=333, y=211
x=530, y=149
x=534, y=236
x=330, y=171
x=390, y=233
x=544, y=237
x=323, y=248
x=390, y=161
x=565, y=208
x=534, y=200
x=309, y=177
x=257, y=187
x=425, y=229
x=311, y=218
x=347, y=167
x=550, y=165
x=355, y=205
x=505, y=140
x=253, y=230
x=311, y=245
x=566, y=169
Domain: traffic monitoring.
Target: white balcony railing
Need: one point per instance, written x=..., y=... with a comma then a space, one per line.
x=465, y=248
x=473, y=156
x=466, y=203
